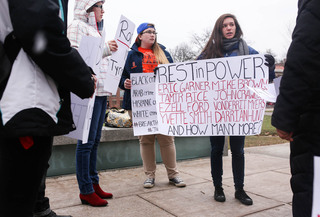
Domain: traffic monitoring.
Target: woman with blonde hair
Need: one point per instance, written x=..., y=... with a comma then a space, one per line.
x=144, y=57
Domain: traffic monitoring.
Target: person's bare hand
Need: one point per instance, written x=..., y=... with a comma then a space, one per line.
x=113, y=45
x=127, y=84
x=285, y=135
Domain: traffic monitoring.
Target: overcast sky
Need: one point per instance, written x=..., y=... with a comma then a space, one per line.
x=265, y=24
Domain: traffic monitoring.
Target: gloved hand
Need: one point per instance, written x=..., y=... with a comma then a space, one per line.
x=270, y=62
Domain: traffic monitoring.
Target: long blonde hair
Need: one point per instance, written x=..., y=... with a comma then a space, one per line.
x=158, y=52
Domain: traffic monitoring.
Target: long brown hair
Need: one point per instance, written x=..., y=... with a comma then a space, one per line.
x=215, y=50
x=158, y=52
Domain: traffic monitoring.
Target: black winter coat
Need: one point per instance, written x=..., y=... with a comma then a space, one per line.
x=58, y=60
x=297, y=107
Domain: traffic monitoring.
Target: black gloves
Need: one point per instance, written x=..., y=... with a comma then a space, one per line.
x=270, y=62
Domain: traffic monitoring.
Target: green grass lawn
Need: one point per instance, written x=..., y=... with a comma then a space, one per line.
x=268, y=135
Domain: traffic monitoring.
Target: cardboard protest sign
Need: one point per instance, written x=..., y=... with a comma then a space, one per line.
x=316, y=188
x=117, y=60
x=211, y=97
x=90, y=50
x=143, y=102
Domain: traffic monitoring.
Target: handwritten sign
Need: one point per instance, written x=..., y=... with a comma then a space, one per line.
x=316, y=188
x=143, y=101
x=90, y=50
x=211, y=97
x=117, y=60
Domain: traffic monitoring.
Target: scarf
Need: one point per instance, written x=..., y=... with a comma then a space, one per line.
x=235, y=44
x=100, y=25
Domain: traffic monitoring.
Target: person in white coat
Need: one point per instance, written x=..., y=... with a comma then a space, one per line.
x=88, y=21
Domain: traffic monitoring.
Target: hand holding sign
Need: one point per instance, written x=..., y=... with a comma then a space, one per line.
x=113, y=45
x=127, y=84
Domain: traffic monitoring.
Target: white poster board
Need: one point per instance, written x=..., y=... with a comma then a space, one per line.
x=144, y=110
x=81, y=113
x=316, y=188
x=117, y=60
x=90, y=49
x=211, y=97
x=277, y=82
x=268, y=94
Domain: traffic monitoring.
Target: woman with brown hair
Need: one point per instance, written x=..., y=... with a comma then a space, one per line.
x=144, y=57
x=225, y=41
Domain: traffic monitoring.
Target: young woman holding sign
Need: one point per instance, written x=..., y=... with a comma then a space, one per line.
x=88, y=21
x=145, y=55
x=226, y=40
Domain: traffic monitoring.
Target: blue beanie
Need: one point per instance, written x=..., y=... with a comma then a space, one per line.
x=144, y=26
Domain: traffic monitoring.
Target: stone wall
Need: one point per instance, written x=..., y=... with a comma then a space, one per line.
x=119, y=148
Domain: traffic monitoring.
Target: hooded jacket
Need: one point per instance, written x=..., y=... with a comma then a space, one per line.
x=85, y=24
x=297, y=108
x=36, y=98
x=134, y=65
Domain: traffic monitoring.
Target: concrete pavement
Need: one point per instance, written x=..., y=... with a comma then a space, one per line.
x=266, y=182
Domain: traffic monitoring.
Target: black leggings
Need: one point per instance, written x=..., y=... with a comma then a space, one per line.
x=236, y=146
x=21, y=173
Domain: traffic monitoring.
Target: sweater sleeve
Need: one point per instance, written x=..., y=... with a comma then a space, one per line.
x=106, y=51
x=75, y=33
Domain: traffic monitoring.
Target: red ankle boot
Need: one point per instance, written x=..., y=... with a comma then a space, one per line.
x=100, y=192
x=92, y=199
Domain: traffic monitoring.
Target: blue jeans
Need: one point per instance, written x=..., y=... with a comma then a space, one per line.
x=86, y=154
x=236, y=146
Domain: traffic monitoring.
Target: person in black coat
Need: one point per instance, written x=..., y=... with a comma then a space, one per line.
x=297, y=110
x=35, y=102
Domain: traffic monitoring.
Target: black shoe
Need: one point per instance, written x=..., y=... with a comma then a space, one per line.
x=243, y=197
x=149, y=183
x=53, y=214
x=219, y=195
x=177, y=182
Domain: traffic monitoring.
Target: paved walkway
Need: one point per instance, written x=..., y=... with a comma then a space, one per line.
x=266, y=181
